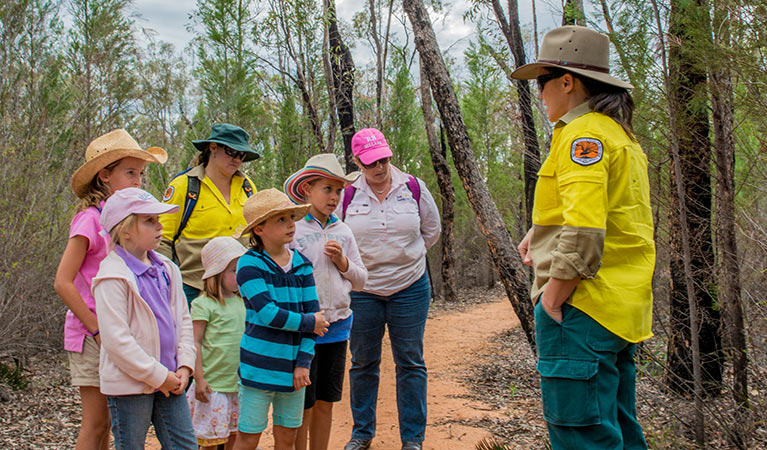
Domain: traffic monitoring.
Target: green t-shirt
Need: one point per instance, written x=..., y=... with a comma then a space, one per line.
x=221, y=343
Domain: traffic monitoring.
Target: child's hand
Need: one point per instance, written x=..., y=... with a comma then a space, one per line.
x=172, y=383
x=320, y=324
x=202, y=389
x=183, y=374
x=301, y=378
x=336, y=254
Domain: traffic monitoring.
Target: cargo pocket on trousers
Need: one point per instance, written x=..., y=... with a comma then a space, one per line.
x=569, y=391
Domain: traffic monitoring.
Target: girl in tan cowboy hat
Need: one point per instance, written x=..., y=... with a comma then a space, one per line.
x=332, y=249
x=282, y=321
x=112, y=162
x=591, y=246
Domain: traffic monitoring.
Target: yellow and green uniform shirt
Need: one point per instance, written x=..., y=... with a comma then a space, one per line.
x=212, y=217
x=592, y=220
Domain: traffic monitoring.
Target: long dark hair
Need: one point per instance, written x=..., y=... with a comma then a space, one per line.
x=613, y=101
x=203, y=157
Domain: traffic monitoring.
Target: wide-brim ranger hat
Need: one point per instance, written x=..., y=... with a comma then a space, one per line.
x=265, y=204
x=106, y=149
x=129, y=201
x=369, y=145
x=577, y=49
x=218, y=253
x=232, y=136
x=324, y=165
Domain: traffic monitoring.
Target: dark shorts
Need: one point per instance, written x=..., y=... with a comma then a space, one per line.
x=326, y=373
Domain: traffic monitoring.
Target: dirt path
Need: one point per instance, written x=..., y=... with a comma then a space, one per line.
x=452, y=342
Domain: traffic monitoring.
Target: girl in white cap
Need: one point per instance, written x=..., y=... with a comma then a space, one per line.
x=147, y=345
x=218, y=318
x=332, y=249
x=113, y=161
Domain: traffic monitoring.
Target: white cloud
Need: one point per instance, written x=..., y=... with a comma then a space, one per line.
x=169, y=20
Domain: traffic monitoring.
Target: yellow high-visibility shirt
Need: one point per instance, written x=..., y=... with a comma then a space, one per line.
x=212, y=217
x=592, y=220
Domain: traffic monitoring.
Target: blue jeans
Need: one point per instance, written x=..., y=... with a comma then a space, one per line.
x=132, y=414
x=405, y=315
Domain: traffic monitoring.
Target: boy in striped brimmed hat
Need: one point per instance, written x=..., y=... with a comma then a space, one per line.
x=330, y=246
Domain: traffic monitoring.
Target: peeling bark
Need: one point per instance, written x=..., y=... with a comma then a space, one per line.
x=491, y=223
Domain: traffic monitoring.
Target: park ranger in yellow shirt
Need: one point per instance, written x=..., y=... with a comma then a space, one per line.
x=211, y=196
x=591, y=246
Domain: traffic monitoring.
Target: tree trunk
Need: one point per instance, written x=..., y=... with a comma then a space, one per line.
x=379, y=61
x=535, y=29
x=343, y=78
x=729, y=267
x=491, y=223
x=330, y=81
x=438, y=155
x=687, y=88
x=532, y=156
x=573, y=13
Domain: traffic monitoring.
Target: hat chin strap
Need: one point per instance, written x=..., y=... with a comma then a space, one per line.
x=575, y=65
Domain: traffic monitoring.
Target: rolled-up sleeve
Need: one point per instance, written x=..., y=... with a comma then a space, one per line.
x=578, y=253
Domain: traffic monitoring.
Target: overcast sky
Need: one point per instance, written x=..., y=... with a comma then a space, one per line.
x=169, y=19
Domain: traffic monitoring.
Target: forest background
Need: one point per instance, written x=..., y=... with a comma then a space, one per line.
x=72, y=70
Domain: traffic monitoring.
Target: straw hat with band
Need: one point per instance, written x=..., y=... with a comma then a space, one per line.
x=267, y=203
x=218, y=253
x=324, y=165
x=106, y=149
x=231, y=136
x=576, y=49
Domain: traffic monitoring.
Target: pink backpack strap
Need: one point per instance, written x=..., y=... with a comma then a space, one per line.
x=412, y=185
x=349, y=192
x=415, y=189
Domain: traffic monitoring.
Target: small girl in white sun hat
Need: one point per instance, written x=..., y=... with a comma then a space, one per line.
x=218, y=318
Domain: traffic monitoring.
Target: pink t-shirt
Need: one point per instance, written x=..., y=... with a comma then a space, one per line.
x=85, y=223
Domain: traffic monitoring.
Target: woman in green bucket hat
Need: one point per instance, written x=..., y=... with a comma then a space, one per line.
x=210, y=196
x=591, y=246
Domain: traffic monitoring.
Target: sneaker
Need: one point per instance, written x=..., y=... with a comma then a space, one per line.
x=412, y=446
x=358, y=444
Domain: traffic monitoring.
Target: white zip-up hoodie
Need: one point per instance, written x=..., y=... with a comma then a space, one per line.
x=129, y=362
x=333, y=286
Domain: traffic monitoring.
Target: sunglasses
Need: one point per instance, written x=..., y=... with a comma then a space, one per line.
x=234, y=154
x=374, y=164
x=545, y=78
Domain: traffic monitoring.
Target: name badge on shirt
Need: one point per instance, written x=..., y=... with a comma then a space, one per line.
x=403, y=197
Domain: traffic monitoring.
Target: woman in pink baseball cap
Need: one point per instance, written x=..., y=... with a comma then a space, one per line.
x=395, y=220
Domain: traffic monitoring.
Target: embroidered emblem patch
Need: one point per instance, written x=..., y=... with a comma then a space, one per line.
x=586, y=151
x=168, y=193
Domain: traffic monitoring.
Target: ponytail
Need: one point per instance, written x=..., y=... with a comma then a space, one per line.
x=97, y=191
x=202, y=158
x=613, y=101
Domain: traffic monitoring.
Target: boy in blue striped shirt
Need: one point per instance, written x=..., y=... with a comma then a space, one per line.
x=281, y=325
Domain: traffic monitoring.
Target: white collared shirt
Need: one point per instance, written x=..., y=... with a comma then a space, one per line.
x=332, y=285
x=392, y=236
